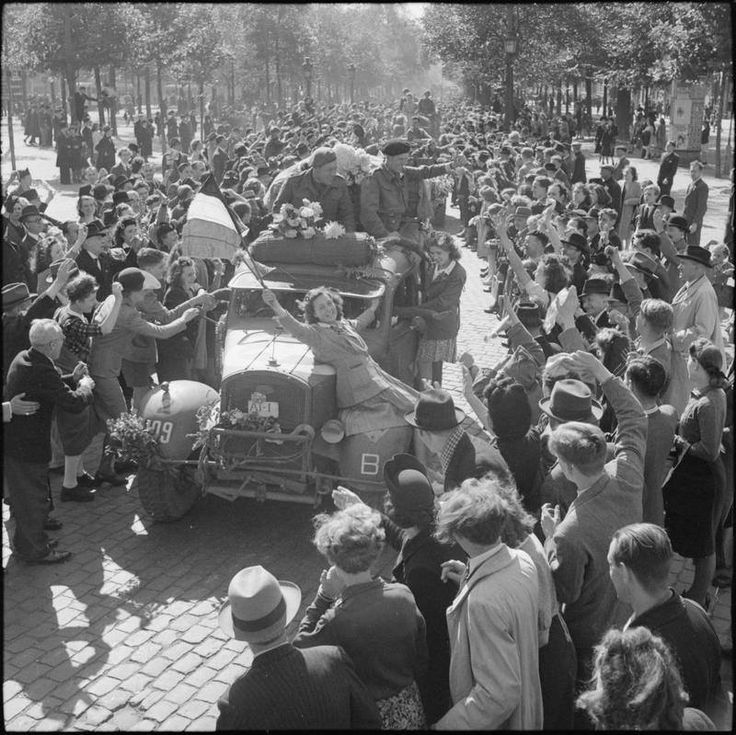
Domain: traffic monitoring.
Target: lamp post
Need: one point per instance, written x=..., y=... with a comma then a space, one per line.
x=510, y=46
x=351, y=71
x=307, y=66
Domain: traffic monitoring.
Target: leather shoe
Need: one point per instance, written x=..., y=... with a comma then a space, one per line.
x=77, y=494
x=110, y=477
x=52, y=524
x=53, y=557
x=87, y=480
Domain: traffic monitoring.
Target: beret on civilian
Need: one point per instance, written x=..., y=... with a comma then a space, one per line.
x=396, y=147
x=322, y=156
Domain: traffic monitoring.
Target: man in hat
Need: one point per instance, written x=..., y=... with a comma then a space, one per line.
x=648, y=243
x=286, y=688
x=390, y=196
x=671, y=231
x=94, y=257
x=594, y=298
x=320, y=183
x=35, y=225
x=621, y=164
x=609, y=495
x=695, y=305
x=575, y=247
x=668, y=168
x=666, y=205
x=696, y=203
x=578, y=168
x=122, y=167
x=27, y=442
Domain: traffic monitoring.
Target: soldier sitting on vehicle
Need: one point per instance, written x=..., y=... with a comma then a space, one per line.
x=320, y=183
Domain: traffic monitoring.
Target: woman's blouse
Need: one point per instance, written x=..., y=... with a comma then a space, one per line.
x=702, y=422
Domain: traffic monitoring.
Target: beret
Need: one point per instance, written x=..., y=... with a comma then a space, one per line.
x=322, y=156
x=396, y=147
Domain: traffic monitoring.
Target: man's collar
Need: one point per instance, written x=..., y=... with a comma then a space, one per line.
x=445, y=271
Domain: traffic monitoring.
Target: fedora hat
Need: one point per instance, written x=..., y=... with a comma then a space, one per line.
x=29, y=211
x=408, y=486
x=571, y=400
x=595, y=285
x=102, y=191
x=698, y=254
x=16, y=293
x=577, y=241
x=95, y=228
x=666, y=201
x=678, y=221
x=435, y=411
x=259, y=606
x=643, y=263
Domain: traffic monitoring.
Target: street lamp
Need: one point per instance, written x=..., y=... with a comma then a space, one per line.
x=351, y=71
x=510, y=46
x=307, y=66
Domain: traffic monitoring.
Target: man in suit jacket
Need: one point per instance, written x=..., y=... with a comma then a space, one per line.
x=286, y=688
x=492, y=623
x=696, y=203
x=645, y=215
x=612, y=187
x=27, y=442
x=219, y=159
x=121, y=168
x=667, y=169
x=621, y=164
x=609, y=495
x=578, y=170
x=95, y=258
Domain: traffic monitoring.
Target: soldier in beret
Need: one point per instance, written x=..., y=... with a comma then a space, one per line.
x=390, y=196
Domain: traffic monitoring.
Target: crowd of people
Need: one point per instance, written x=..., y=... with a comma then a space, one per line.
x=531, y=591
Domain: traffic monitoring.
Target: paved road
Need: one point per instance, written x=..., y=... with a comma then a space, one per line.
x=124, y=636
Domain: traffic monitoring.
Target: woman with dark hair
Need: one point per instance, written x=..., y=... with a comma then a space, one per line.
x=409, y=523
x=368, y=398
x=176, y=354
x=440, y=308
x=694, y=491
x=599, y=197
x=637, y=686
x=377, y=624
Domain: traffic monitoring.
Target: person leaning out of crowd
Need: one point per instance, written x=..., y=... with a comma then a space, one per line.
x=494, y=620
x=27, y=438
x=640, y=559
x=320, y=183
x=608, y=493
x=76, y=429
x=636, y=685
x=409, y=523
x=377, y=623
x=286, y=688
x=108, y=350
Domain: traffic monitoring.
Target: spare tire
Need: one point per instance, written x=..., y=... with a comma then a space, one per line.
x=167, y=496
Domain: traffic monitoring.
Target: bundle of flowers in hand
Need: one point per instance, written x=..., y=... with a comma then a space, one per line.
x=297, y=222
x=441, y=188
x=354, y=164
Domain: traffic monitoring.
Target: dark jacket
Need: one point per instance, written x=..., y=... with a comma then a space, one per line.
x=418, y=566
x=28, y=438
x=686, y=628
x=614, y=191
x=291, y=689
x=334, y=198
x=15, y=328
x=104, y=269
x=105, y=149
x=696, y=202
x=578, y=171
x=668, y=169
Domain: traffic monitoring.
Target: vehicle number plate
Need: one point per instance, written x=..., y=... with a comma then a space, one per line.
x=264, y=408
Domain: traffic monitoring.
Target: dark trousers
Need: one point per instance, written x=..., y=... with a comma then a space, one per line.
x=557, y=670
x=462, y=203
x=29, y=496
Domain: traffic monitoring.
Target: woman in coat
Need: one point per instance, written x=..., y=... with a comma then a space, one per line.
x=630, y=197
x=63, y=155
x=105, y=150
x=440, y=309
x=368, y=398
x=376, y=623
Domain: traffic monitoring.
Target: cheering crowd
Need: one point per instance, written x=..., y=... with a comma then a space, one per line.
x=532, y=593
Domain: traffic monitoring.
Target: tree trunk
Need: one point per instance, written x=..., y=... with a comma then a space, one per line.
x=589, y=97
x=161, y=105
x=23, y=91
x=100, y=107
x=559, y=99
x=64, y=96
x=138, y=98
x=113, y=103
x=719, y=122
x=147, y=89
x=11, y=140
x=623, y=113
x=201, y=108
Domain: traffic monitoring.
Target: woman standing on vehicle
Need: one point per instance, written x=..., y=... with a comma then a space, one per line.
x=440, y=308
x=368, y=397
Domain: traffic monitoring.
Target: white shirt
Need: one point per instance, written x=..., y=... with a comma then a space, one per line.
x=446, y=271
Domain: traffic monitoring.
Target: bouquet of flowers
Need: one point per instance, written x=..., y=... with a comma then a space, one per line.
x=333, y=230
x=354, y=164
x=293, y=222
x=211, y=417
x=133, y=438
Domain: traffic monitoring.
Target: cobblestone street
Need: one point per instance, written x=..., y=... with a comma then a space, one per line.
x=124, y=636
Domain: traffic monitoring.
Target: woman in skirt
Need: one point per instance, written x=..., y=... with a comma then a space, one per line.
x=697, y=482
x=440, y=309
x=377, y=623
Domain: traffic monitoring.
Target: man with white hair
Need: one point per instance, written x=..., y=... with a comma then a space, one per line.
x=27, y=440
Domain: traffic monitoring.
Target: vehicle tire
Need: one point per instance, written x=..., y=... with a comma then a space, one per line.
x=166, y=497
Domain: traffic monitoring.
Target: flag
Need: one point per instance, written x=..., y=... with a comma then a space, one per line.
x=210, y=230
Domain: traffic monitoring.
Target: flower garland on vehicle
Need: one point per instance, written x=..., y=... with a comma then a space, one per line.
x=210, y=417
x=133, y=438
x=297, y=222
